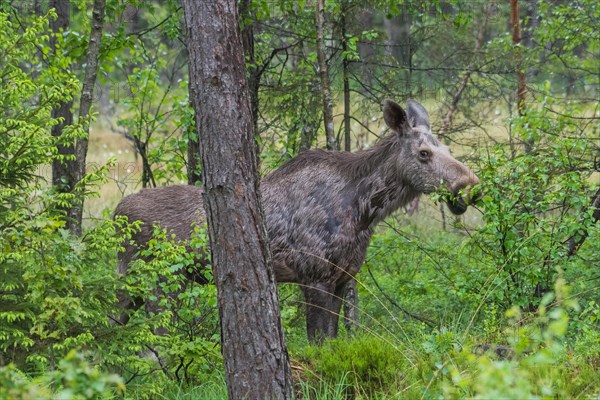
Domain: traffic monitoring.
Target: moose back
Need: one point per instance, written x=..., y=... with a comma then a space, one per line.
x=321, y=207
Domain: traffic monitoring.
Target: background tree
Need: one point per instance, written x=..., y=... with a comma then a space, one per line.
x=64, y=169
x=254, y=351
x=69, y=171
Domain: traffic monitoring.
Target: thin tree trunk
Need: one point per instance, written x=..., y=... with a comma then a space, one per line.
x=194, y=174
x=516, y=40
x=85, y=105
x=248, y=43
x=37, y=7
x=66, y=174
x=367, y=54
x=521, y=83
x=254, y=351
x=346, y=74
x=324, y=74
x=63, y=171
x=351, y=315
x=398, y=43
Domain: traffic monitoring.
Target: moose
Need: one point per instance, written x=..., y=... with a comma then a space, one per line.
x=321, y=207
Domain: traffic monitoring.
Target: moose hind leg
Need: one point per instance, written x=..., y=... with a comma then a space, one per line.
x=322, y=311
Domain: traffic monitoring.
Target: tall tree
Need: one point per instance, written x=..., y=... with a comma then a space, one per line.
x=324, y=74
x=254, y=351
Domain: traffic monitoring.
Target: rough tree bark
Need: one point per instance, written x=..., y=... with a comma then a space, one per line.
x=193, y=151
x=254, y=351
x=324, y=74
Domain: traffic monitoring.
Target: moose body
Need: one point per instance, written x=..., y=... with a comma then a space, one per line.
x=321, y=207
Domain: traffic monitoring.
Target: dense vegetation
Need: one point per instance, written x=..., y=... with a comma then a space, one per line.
x=501, y=303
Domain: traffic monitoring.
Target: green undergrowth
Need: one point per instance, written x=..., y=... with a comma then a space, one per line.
x=537, y=356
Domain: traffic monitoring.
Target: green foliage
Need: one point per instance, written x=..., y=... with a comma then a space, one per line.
x=44, y=272
x=30, y=87
x=155, y=113
x=178, y=324
x=74, y=378
x=541, y=366
x=533, y=203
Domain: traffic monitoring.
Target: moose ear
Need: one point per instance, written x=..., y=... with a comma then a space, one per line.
x=417, y=115
x=395, y=117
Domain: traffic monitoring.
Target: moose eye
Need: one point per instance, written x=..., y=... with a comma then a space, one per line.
x=424, y=154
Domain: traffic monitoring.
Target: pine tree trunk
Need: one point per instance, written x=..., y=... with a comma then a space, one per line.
x=194, y=173
x=254, y=351
x=346, y=78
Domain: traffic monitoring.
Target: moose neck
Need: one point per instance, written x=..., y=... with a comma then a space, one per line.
x=381, y=187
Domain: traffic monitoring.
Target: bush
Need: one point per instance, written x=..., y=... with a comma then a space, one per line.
x=534, y=202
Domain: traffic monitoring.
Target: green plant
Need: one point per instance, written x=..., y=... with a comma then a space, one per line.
x=534, y=202
x=74, y=378
x=178, y=324
x=55, y=289
x=541, y=364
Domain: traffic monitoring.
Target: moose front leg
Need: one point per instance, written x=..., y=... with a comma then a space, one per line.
x=322, y=311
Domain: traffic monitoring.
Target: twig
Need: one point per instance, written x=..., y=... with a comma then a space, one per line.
x=426, y=321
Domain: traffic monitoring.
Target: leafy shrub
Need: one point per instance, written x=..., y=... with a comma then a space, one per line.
x=55, y=290
x=178, y=325
x=533, y=204
x=74, y=378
